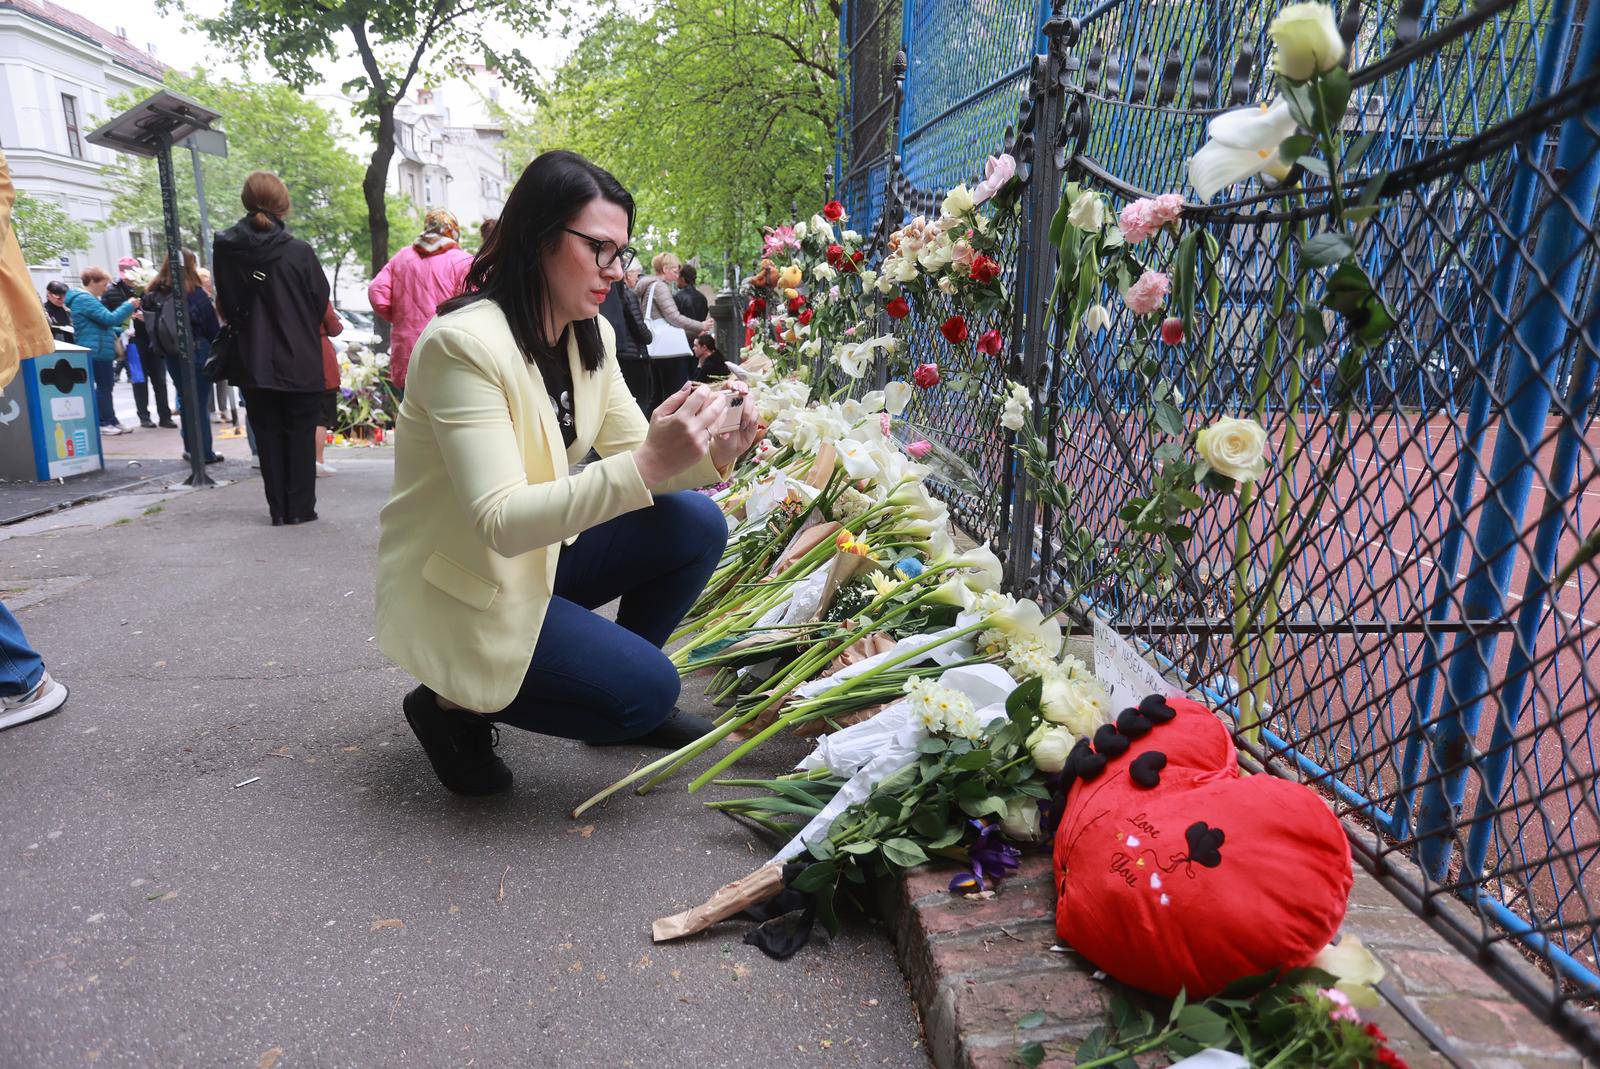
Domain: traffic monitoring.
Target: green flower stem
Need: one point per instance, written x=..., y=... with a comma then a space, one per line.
x=1330, y=149
x=853, y=683
x=1154, y=1043
x=1292, y=1048
x=672, y=760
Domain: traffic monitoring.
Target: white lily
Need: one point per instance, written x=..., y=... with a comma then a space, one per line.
x=984, y=569
x=1243, y=143
x=857, y=459
x=896, y=396
x=1024, y=620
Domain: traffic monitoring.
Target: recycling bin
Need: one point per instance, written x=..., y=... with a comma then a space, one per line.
x=48, y=426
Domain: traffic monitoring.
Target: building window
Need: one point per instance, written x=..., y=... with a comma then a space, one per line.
x=69, y=110
x=427, y=189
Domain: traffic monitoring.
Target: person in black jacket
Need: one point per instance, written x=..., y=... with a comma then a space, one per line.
x=690, y=301
x=56, y=311
x=709, y=363
x=621, y=309
x=117, y=294
x=272, y=293
x=203, y=327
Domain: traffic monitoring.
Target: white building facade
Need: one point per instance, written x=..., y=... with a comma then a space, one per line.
x=57, y=72
x=447, y=151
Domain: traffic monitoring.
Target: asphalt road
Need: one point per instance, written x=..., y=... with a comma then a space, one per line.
x=343, y=910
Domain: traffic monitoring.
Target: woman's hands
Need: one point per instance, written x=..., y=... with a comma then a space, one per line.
x=729, y=447
x=681, y=432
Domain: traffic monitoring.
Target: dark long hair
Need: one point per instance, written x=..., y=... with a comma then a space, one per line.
x=507, y=270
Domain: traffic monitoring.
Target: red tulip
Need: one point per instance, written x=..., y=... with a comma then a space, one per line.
x=804, y=318
x=897, y=308
x=833, y=211
x=989, y=343
x=985, y=269
x=1172, y=330
x=795, y=304
x=954, y=330
x=926, y=376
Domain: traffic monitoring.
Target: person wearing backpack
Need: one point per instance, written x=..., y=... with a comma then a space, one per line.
x=272, y=292
x=161, y=328
x=150, y=377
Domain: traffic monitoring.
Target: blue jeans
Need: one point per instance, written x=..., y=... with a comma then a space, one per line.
x=105, y=377
x=599, y=681
x=21, y=669
x=178, y=368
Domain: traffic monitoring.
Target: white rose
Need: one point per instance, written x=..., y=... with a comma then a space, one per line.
x=1307, y=40
x=851, y=236
x=1096, y=318
x=1234, y=447
x=819, y=225
x=800, y=231
x=1088, y=212
x=824, y=273
x=869, y=278
x=1049, y=746
x=1079, y=705
x=1020, y=823
x=957, y=202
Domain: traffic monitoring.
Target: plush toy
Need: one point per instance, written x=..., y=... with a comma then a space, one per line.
x=1175, y=872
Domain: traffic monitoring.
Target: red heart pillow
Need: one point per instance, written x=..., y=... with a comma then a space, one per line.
x=1203, y=878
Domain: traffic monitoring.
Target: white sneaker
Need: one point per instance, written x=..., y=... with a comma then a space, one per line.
x=324, y=470
x=113, y=428
x=42, y=700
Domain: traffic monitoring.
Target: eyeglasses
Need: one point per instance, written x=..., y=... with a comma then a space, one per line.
x=607, y=252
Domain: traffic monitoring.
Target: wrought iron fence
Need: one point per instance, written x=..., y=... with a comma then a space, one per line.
x=1428, y=668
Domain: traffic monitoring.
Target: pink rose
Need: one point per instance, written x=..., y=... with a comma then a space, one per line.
x=963, y=254
x=919, y=448
x=1148, y=294
x=883, y=421
x=1146, y=215
x=997, y=171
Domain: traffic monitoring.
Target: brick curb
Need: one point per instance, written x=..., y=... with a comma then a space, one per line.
x=976, y=967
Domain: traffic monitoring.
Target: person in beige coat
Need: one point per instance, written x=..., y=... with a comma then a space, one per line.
x=26, y=690
x=492, y=553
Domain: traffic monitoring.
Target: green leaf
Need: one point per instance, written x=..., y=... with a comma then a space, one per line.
x=1363, y=213
x=1093, y=1046
x=816, y=877
x=1032, y=1020
x=1314, y=165
x=858, y=848
x=930, y=821
x=1030, y=1054
x=1170, y=419
x=1202, y=1025
x=1335, y=96
x=949, y=837
x=903, y=852
x=1292, y=148
x=990, y=805
x=1302, y=101
x=1372, y=189
x=1183, y=275
x=1327, y=249
x=1178, y=1005
x=932, y=744
x=1022, y=704
x=1314, y=330
x=971, y=762
x=1179, y=532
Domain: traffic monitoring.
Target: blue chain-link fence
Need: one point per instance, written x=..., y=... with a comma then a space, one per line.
x=1427, y=670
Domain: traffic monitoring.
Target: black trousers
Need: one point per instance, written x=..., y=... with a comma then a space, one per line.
x=155, y=378
x=285, y=426
x=636, y=373
x=669, y=373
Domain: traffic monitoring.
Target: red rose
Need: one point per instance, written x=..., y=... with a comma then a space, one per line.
x=795, y=304
x=954, y=330
x=804, y=318
x=989, y=343
x=857, y=256
x=835, y=254
x=985, y=269
x=897, y=308
x=926, y=376
x=1172, y=330
x=833, y=211
x=755, y=310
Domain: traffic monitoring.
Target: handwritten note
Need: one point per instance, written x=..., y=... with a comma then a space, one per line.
x=1127, y=675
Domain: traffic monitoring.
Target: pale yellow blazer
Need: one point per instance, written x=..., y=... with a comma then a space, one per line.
x=482, y=501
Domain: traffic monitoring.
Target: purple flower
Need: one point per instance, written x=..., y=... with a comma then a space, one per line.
x=992, y=857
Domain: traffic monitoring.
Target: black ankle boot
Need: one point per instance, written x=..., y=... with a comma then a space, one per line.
x=460, y=745
x=678, y=729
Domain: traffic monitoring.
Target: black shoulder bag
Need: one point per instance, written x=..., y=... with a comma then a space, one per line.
x=224, y=363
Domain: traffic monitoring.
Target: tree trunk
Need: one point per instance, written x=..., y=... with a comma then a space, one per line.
x=374, y=183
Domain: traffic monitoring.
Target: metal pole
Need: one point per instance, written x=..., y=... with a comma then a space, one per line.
x=1537, y=330
x=204, y=252
x=1518, y=213
x=189, y=381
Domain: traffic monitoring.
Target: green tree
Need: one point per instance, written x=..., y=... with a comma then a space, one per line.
x=270, y=127
x=394, y=39
x=716, y=115
x=44, y=229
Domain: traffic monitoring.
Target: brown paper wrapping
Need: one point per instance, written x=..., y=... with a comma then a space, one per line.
x=760, y=885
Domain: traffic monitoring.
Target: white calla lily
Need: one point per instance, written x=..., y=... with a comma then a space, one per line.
x=986, y=572
x=1243, y=143
x=896, y=396
x=857, y=458
x=1357, y=971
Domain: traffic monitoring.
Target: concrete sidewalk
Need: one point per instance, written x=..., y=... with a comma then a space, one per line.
x=342, y=909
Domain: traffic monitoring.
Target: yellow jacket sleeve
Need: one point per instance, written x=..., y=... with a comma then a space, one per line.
x=24, y=330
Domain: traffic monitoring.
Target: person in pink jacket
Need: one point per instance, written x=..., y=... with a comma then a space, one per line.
x=410, y=288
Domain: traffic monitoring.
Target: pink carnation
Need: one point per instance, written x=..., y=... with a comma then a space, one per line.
x=1342, y=1010
x=1146, y=215
x=1148, y=294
